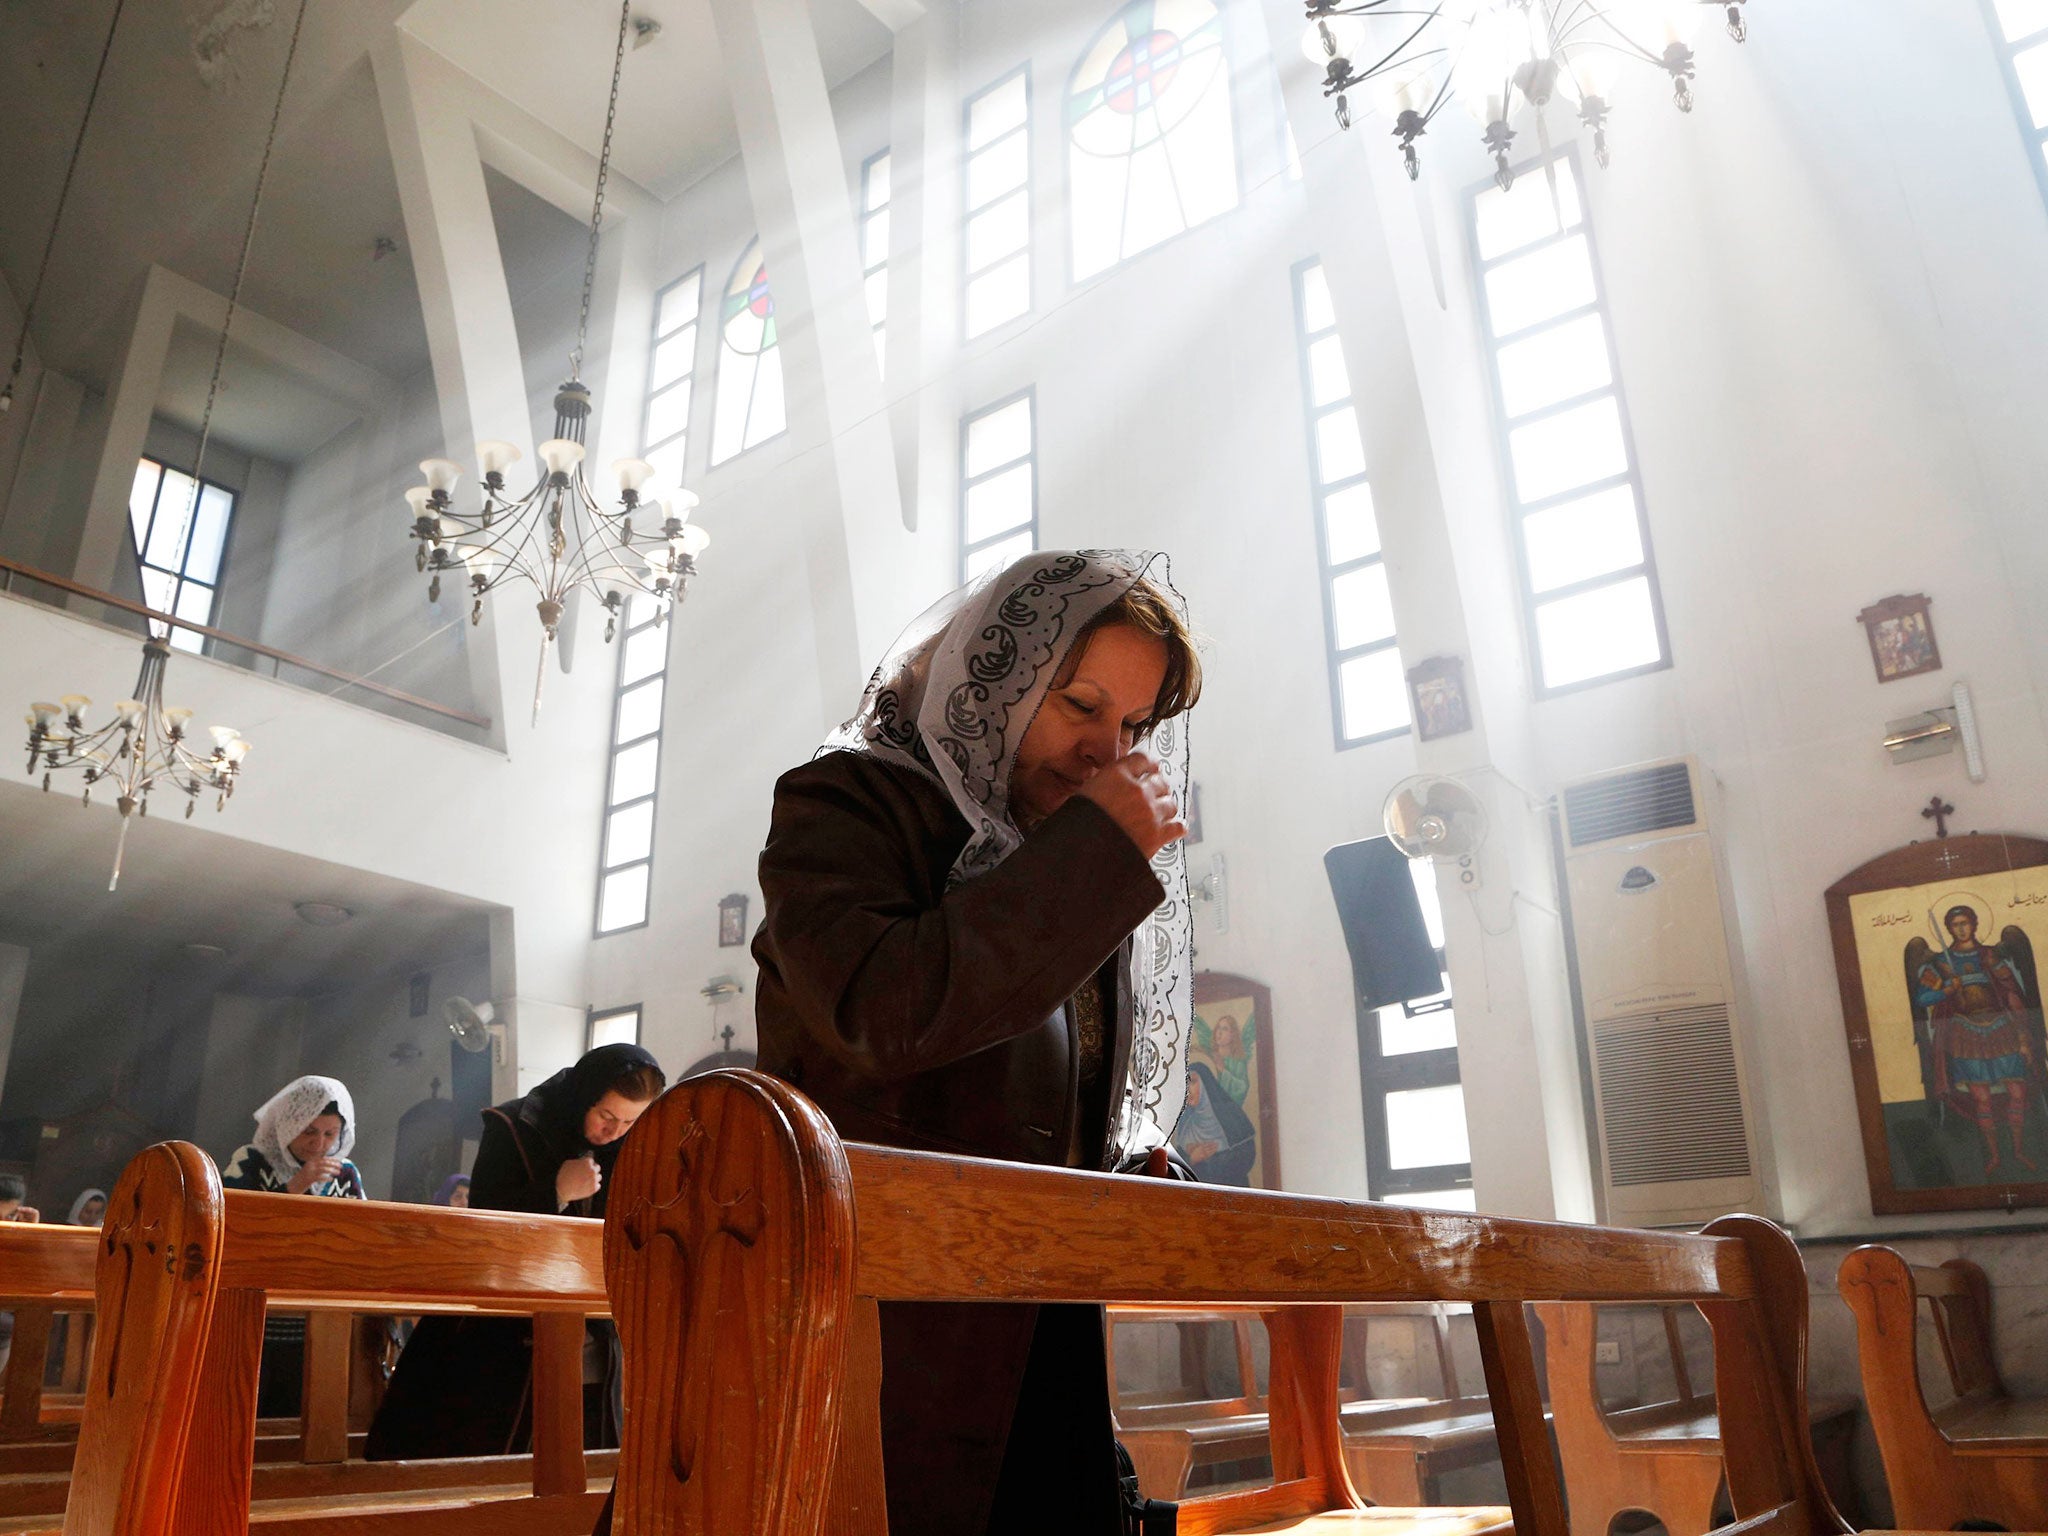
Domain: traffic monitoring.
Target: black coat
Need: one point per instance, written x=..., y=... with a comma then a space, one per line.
x=921, y=1016
x=463, y=1384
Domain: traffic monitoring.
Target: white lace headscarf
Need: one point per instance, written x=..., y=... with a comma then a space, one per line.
x=290, y=1110
x=952, y=701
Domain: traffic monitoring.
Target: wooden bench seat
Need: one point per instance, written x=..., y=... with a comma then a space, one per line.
x=1982, y=1457
x=747, y=1246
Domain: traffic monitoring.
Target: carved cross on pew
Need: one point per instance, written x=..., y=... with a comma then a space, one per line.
x=691, y=1223
x=124, y=1234
x=1938, y=811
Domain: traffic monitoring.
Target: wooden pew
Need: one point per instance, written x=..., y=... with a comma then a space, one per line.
x=1398, y=1449
x=44, y=1270
x=1983, y=1457
x=747, y=1245
x=184, y=1275
x=1664, y=1457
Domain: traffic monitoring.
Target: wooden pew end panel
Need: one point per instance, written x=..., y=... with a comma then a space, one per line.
x=729, y=1249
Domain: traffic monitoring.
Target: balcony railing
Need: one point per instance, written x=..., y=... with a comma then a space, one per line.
x=266, y=660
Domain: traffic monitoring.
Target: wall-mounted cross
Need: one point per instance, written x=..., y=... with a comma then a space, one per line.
x=1938, y=811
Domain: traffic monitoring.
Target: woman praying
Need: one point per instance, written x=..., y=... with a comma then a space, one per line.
x=976, y=941
x=304, y=1134
x=462, y=1386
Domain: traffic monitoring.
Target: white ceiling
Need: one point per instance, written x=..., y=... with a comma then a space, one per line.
x=192, y=882
x=271, y=411
x=171, y=159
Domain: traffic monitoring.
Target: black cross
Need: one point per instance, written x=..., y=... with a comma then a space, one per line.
x=1938, y=811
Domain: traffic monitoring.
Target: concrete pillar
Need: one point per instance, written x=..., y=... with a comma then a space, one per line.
x=1516, y=1163
x=857, y=552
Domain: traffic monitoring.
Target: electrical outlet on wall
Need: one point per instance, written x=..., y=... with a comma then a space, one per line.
x=1607, y=1352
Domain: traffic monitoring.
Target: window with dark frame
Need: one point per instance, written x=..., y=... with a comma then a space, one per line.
x=1589, y=581
x=998, y=484
x=1417, y=1147
x=1368, y=693
x=614, y=1026
x=874, y=248
x=2021, y=27
x=997, y=238
x=180, y=544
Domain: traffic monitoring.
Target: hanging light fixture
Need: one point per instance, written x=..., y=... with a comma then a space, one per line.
x=147, y=744
x=1499, y=55
x=556, y=536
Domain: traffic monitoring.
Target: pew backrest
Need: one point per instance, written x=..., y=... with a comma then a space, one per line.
x=746, y=1245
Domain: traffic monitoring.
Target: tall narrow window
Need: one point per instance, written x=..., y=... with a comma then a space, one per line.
x=2022, y=26
x=1149, y=146
x=634, y=770
x=179, y=544
x=749, y=407
x=874, y=248
x=1417, y=1145
x=998, y=236
x=614, y=1026
x=998, y=484
x=1368, y=695
x=1588, y=581
x=671, y=370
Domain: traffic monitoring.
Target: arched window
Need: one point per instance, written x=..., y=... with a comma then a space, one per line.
x=749, y=407
x=1150, y=151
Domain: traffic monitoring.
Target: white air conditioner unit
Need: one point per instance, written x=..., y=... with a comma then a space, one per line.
x=1679, y=1139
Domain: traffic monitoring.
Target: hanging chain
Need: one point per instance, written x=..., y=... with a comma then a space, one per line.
x=604, y=171
x=220, y=352
x=63, y=194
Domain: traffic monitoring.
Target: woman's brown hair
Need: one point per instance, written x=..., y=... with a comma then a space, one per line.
x=1150, y=611
x=639, y=1083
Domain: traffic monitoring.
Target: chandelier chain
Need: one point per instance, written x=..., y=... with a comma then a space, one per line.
x=220, y=351
x=604, y=171
x=63, y=195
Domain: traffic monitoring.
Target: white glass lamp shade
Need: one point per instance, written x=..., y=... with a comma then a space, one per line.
x=481, y=562
x=679, y=503
x=76, y=704
x=417, y=499
x=632, y=474
x=1407, y=85
x=494, y=456
x=561, y=455
x=99, y=757
x=128, y=712
x=223, y=734
x=692, y=541
x=43, y=716
x=174, y=721
x=234, y=751
x=1502, y=38
x=1591, y=68
x=441, y=473
x=1334, y=37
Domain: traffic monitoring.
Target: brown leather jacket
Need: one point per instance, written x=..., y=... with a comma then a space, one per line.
x=938, y=1019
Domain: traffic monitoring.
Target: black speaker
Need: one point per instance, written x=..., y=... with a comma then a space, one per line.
x=1392, y=960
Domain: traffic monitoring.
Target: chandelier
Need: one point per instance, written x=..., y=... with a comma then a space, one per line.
x=1498, y=55
x=144, y=745
x=556, y=536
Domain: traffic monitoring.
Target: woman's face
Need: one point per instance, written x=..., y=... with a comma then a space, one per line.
x=459, y=1196
x=318, y=1139
x=610, y=1118
x=95, y=1208
x=1099, y=706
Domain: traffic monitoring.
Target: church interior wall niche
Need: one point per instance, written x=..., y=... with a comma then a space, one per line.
x=1935, y=949
x=1230, y=1129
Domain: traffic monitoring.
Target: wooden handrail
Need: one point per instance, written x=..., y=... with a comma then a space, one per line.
x=129, y=605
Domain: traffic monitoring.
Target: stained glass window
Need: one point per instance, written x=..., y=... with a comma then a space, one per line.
x=179, y=542
x=1150, y=151
x=749, y=407
x=1588, y=581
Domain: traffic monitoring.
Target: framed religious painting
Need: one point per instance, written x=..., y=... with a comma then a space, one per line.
x=1229, y=1130
x=1436, y=690
x=1901, y=633
x=1936, y=950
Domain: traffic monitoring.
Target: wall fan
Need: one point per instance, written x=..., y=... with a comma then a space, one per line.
x=1436, y=818
x=474, y=1027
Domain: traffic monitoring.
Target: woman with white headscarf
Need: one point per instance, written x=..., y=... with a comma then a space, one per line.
x=304, y=1134
x=976, y=940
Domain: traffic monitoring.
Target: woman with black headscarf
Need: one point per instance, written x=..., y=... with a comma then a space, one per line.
x=462, y=1386
x=976, y=941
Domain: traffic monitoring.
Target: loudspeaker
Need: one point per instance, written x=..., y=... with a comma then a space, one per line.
x=1392, y=960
